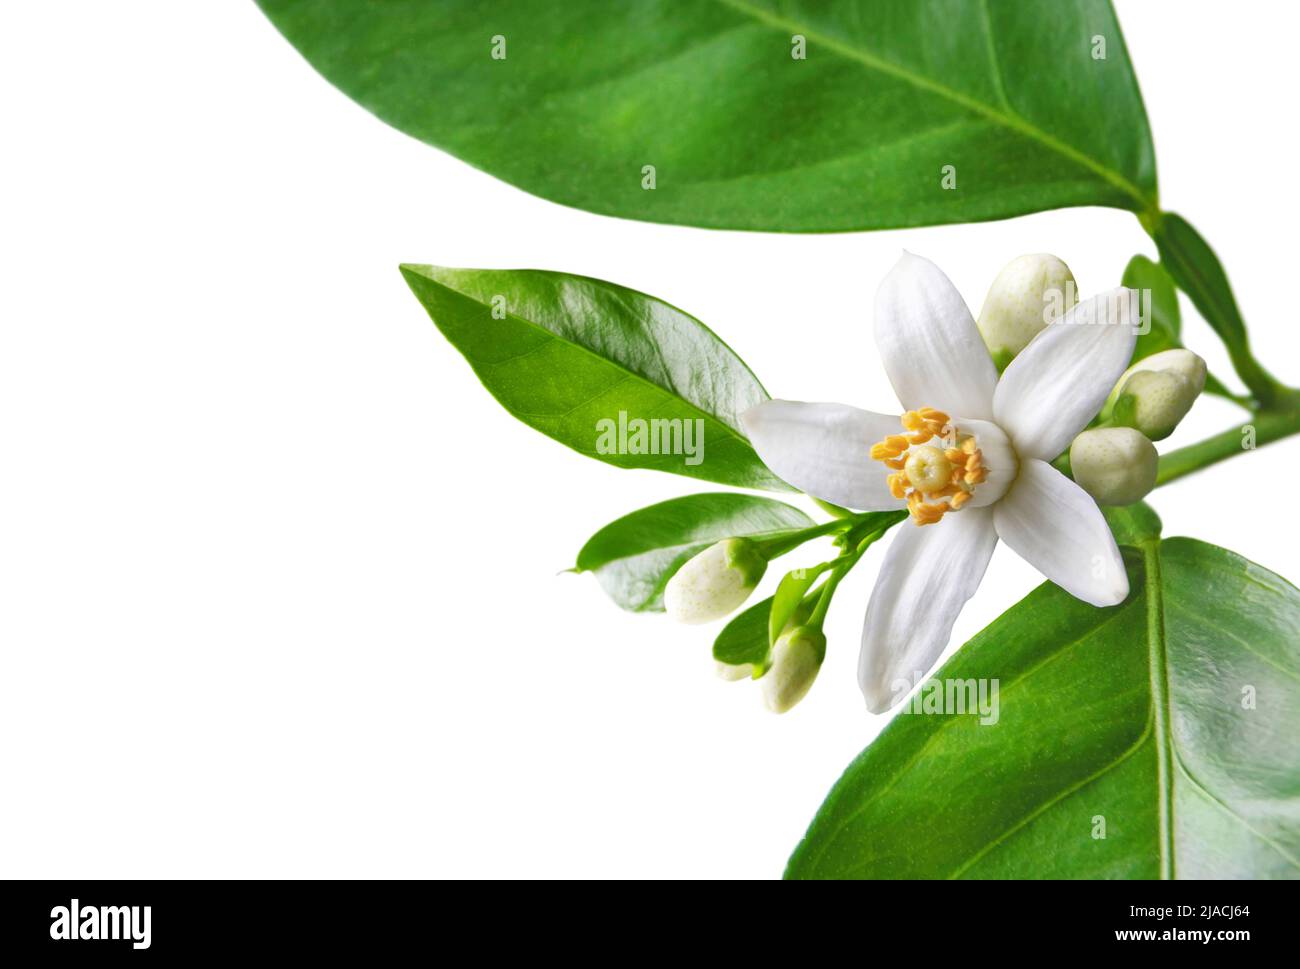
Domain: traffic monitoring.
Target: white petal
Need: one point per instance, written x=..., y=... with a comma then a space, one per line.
x=1057, y=384
x=928, y=574
x=932, y=350
x=1057, y=528
x=824, y=449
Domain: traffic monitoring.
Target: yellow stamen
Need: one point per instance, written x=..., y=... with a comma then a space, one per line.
x=932, y=480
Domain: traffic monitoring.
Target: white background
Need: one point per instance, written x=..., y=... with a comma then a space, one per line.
x=278, y=579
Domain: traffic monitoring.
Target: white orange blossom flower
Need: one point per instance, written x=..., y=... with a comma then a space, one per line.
x=968, y=458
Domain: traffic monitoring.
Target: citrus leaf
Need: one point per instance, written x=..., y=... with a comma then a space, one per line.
x=610, y=372
x=785, y=115
x=1154, y=739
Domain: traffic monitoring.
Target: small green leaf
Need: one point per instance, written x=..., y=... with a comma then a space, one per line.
x=789, y=597
x=634, y=557
x=610, y=372
x=783, y=115
x=1192, y=264
x=1154, y=739
x=744, y=639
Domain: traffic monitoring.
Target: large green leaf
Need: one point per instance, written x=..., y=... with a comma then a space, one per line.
x=1166, y=723
x=635, y=556
x=1013, y=94
x=610, y=372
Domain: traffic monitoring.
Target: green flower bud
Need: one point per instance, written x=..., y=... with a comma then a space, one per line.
x=794, y=662
x=1116, y=465
x=1029, y=293
x=1156, y=393
x=715, y=582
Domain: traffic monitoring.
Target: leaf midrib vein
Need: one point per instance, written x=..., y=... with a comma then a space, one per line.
x=1160, y=701
x=1007, y=119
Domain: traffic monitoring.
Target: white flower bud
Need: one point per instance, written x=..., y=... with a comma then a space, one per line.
x=733, y=671
x=795, y=660
x=1116, y=465
x=1180, y=360
x=715, y=582
x=1029, y=293
x=1163, y=388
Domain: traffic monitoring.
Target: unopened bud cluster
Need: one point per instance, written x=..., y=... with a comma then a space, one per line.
x=717, y=581
x=1116, y=462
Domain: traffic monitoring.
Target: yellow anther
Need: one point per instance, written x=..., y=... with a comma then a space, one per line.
x=924, y=513
x=932, y=480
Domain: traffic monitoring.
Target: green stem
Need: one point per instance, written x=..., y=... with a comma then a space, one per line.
x=834, y=510
x=845, y=563
x=1263, y=427
x=776, y=547
x=827, y=590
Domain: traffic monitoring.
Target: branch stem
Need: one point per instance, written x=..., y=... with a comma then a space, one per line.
x=1263, y=427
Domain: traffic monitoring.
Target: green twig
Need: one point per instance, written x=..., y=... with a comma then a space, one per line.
x=1263, y=427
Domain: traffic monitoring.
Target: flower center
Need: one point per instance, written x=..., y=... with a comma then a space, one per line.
x=927, y=469
x=933, y=480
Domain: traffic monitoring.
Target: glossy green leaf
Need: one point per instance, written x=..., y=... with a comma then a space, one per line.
x=1152, y=739
x=1027, y=104
x=610, y=372
x=635, y=556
